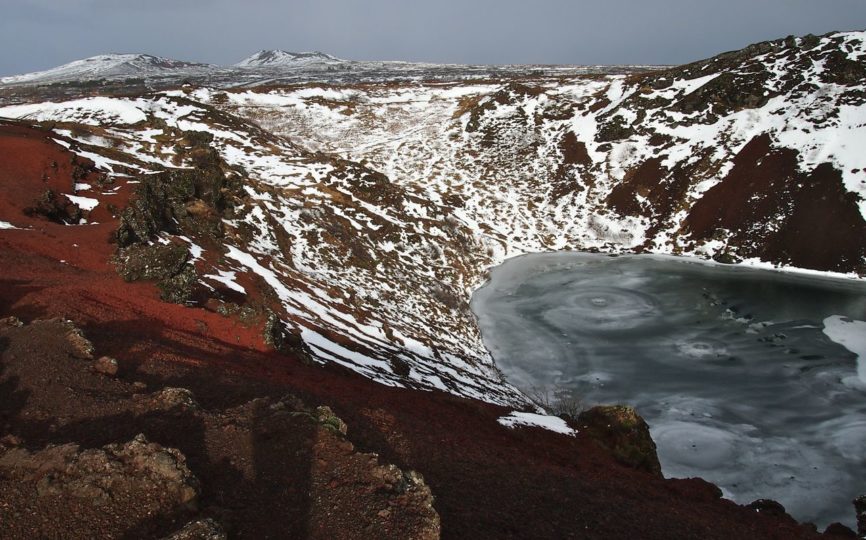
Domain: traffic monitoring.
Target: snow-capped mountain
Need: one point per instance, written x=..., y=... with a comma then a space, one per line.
x=363, y=217
x=266, y=67
x=280, y=58
x=109, y=66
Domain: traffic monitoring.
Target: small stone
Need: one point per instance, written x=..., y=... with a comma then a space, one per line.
x=169, y=398
x=327, y=418
x=106, y=365
x=11, y=441
x=384, y=513
x=200, y=529
x=13, y=322
x=139, y=386
x=81, y=347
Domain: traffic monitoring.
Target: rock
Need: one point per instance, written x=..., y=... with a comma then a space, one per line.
x=200, y=529
x=621, y=430
x=771, y=508
x=169, y=398
x=388, y=477
x=837, y=529
x=101, y=475
x=105, y=365
x=860, y=508
x=82, y=347
x=55, y=207
x=327, y=417
x=167, y=264
x=727, y=257
x=11, y=441
x=13, y=322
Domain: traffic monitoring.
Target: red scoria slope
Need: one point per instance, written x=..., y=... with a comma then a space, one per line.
x=488, y=481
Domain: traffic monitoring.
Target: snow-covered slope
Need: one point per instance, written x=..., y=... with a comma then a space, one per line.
x=108, y=66
x=369, y=213
x=279, y=58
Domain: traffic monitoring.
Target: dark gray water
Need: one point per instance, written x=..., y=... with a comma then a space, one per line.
x=732, y=368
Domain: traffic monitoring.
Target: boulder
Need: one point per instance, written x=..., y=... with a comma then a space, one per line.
x=621, y=430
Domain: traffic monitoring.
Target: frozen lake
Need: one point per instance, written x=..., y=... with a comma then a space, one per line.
x=741, y=374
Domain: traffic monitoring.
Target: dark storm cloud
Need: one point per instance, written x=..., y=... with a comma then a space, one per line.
x=38, y=34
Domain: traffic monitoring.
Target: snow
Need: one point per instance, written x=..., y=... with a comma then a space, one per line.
x=107, y=66
x=195, y=250
x=85, y=203
x=552, y=423
x=227, y=278
x=851, y=334
x=95, y=111
x=278, y=58
x=7, y=225
x=690, y=85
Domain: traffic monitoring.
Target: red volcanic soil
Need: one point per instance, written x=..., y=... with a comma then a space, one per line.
x=779, y=213
x=488, y=481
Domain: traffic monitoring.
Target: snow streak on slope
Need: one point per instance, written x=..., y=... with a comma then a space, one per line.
x=607, y=163
x=361, y=284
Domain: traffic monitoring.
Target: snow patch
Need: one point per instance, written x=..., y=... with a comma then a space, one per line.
x=94, y=111
x=85, y=203
x=552, y=423
x=227, y=278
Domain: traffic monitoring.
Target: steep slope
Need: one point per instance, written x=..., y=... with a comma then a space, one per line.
x=110, y=66
x=352, y=224
x=280, y=58
x=266, y=466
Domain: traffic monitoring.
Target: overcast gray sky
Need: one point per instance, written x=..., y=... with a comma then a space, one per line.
x=39, y=34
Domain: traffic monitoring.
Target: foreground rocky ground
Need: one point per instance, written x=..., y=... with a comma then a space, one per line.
x=268, y=467
x=142, y=419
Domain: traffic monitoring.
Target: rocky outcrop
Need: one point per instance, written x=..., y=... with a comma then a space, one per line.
x=266, y=457
x=619, y=429
x=116, y=485
x=860, y=508
x=55, y=207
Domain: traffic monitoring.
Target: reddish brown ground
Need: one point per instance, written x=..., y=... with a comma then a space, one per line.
x=781, y=214
x=488, y=481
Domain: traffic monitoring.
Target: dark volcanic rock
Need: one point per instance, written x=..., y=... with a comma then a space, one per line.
x=55, y=207
x=860, y=508
x=778, y=213
x=770, y=507
x=624, y=433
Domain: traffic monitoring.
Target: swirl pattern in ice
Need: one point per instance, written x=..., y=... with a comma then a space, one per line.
x=734, y=369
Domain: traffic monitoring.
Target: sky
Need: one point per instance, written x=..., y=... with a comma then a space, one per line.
x=40, y=34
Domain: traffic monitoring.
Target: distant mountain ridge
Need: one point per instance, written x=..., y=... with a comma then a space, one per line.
x=278, y=57
x=109, y=66
x=118, y=66
x=267, y=66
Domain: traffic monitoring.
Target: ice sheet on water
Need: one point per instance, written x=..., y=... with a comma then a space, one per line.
x=851, y=334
